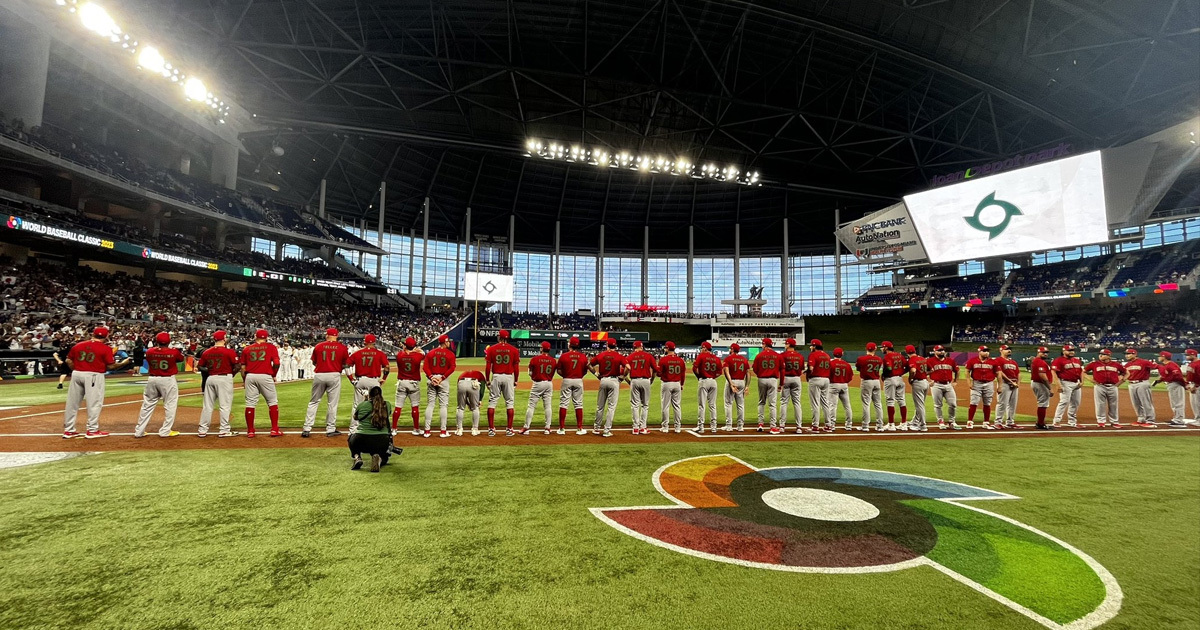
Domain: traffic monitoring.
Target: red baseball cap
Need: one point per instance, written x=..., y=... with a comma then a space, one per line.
x=100, y=331
x=1043, y=349
x=1164, y=354
x=938, y=348
x=670, y=345
x=887, y=344
x=706, y=345
x=410, y=342
x=767, y=341
x=1130, y=350
x=790, y=341
x=1003, y=346
x=545, y=345
x=574, y=341
x=331, y=332
x=612, y=343
x=163, y=337
x=837, y=352
x=1106, y=352
x=637, y=344
x=984, y=349
x=910, y=348
x=1190, y=352
x=219, y=335
x=815, y=342
x=504, y=334
x=734, y=347
x=1067, y=346
x=871, y=345
x=260, y=334
x=369, y=338
x=443, y=339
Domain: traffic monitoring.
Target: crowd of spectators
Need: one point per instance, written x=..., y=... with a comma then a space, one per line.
x=1111, y=328
x=894, y=297
x=977, y=286
x=538, y=321
x=1159, y=266
x=1085, y=274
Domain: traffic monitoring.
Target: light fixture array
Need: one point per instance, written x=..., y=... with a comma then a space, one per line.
x=644, y=163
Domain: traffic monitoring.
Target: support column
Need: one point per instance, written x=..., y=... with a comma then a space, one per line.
x=691, y=259
x=555, y=269
x=837, y=262
x=784, y=307
x=362, y=232
x=221, y=230
x=278, y=250
x=466, y=249
x=156, y=227
x=321, y=201
x=737, y=264
x=23, y=69
x=424, y=253
x=646, y=264
x=600, y=275
x=412, y=256
x=512, y=244
x=382, y=206
x=224, y=164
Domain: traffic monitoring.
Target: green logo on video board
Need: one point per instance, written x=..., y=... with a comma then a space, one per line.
x=993, y=231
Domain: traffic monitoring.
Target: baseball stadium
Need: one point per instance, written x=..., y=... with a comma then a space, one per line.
x=599, y=314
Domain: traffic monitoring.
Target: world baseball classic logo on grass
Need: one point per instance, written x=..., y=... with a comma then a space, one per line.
x=810, y=519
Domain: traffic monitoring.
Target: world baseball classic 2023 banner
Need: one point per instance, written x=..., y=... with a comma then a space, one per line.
x=885, y=235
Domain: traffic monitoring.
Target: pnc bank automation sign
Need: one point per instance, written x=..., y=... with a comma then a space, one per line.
x=991, y=168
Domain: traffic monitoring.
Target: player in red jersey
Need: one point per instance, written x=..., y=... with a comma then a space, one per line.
x=162, y=361
x=671, y=371
x=870, y=368
x=982, y=370
x=541, y=372
x=894, y=369
x=1069, y=371
x=1008, y=382
x=1107, y=376
x=572, y=365
x=1138, y=372
x=1170, y=373
x=371, y=368
x=1193, y=383
x=408, y=384
x=221, y=362
x=706, y=367
x=767, y=367
x=840, y=375
x=503, y=370
x=736, y=369
x=260, y=363
x=642, y=369
x=792, y=371
x=609, y=367
x=467, y=390
x=918, y=377
x=89, y=360
x=329, y=358
x=438, y=366
x=818, y=371
x=1041, y=379
x=943, y=371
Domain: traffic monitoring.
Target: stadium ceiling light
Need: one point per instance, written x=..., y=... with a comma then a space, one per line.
x=194, y=89
x=602, y=157
x=95, y=19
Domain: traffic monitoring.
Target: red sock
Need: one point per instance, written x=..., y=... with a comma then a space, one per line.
x=904, y=414
x=396, y=417
x=491, y=419
x=416, y=413
x=273, y=411
x=1041, y=416
x=579, y=418
x=250, y=420
x=891, y=414
x=987, y=413
x=971, y=413
x=510, y=418
x=562, y=417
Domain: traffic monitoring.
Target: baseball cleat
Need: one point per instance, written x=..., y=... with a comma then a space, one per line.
x=941, y=424
x=728, y=427
x=491, y=433
x=954, y=425
x=303, y=434
x=416, y=432
x=889, y=427
x=607, y=434
x=169, y=434
x=201, y=434
x=225, y=434
x=775, y=431
x=970, y=424
x=903, y=426
x=458, y=432
x=597, y=431
x=138, y=437
x=1116, y=425
x=276, y=433
x=67, y=435
x=444, y=434
x=333, y=433
x=425, y=434
x=700, y=428
x=1177, y=424
x=356, y=463
x=561, y=432
x=474, y=431
x=985, y=425
x=509, y=433
x=91, y=435
x=678, y=430
x=760, y=427
x=547, y=431
x=524, y=431
x=250, y=434
x=664, y=429
x=581, y=432
x=1147, y=425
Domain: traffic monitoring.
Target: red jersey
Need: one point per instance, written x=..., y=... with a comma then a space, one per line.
x=706, y=365
x=475, y=374
x=869, y=366
x=330, y=356
x=369, y=362
x=542, y=367
x=572, y=364
x=894, y=364
x=503, y=358
x=408, y=365
x=440, y=361
x=1139, y=370
x=1009, y=368
x=1105, y=373
x=642, y=364
x=768, y=364
x=1193, y=375
x=819, y=364
x=261, y=358
x=918, y=369
x=163, y=361
x=1068, y=369
x=943, y=370
x=609, y=363
x=738, y=366
x=672, y=369
x=981, y=369
x=793, y=363
x=219, y=360
x=91, y=356
x=1168, y=372
x=840, y=371
x=1040, y=371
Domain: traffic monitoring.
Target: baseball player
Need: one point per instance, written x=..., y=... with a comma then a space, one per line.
x=60, y=360
x=1169, y=373
x=88, y=361
x=1107, y=376
x=1041, y=378
x=840, y=375
x=609, y=367
x=408, y=384
x=735, y=369
x=1137, y=371
x=643, y=367
x=572, y=365
x=869, y=368
x=706, y=367
x=1008, y=381
x=982, y=370
x=162, y=361
x=1069, y=371
x=671, y=371
x=287, y=363
x=260, y=363
x=541, y=372
x=502, y=369
x=918, y=377
x=943, y=371
x=438, y=366
x=1193, y=383
x=467, y=390
x=792, y=362
x=371, y=368
x=329, y=358
x=894, y=369
x=819, y=398
x=221, y=362
x=767, y=368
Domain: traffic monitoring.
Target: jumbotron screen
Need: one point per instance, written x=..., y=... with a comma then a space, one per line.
x=487, y=287
x=1056, y=205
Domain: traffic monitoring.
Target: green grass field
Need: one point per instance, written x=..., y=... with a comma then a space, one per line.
x=501, y=537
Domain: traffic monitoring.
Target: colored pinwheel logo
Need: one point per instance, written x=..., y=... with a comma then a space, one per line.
x=1010, y=211
x=146, y=252
x=847, y=520
x=14, y=223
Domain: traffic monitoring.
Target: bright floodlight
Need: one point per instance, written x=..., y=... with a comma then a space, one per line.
x=194, y=89
x=152, y=60
x=97, y=20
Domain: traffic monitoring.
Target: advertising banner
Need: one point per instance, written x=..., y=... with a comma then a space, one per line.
x=886, y=235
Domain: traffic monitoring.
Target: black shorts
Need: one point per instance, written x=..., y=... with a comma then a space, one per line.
x=64, y=369
x=373, y=444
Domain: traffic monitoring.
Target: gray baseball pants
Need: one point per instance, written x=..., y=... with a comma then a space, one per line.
x=218, y=392
x=869, y=392
x=920, y=387
x=539, y=391
x=166, y=389
x=571, y=391
x=501, y=387
x=1041, y=392
x=735, y=401
x=1107, y=402
x=606, y=402
x=706, y=391
x=839, y=393
x=819, y=400
x=944, y=393
x=1177, y=394
x=893, y=391
x=639, y=401
x=467, y=397
x=1143, y=404
x=86, y=387
x=1068, y=402
x=672, y=396
x=260, y=385
x=982, y=392
x=768, y=397
x=439, y=396
x=1006, y=403
x=326, y=385
x=790, y=394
